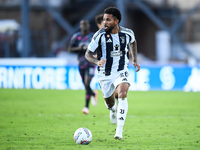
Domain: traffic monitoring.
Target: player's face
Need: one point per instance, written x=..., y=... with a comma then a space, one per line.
x=109, y=22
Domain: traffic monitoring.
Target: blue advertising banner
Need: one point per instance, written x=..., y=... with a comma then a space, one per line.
x=57, y=75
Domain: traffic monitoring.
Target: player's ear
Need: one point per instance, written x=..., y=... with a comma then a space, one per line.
x=117, y=21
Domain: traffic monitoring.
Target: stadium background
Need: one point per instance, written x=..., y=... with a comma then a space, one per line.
x=34, y=37
x=41, y=94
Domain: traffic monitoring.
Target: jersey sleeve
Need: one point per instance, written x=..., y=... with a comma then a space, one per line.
x=95, y=41
x=132, y=36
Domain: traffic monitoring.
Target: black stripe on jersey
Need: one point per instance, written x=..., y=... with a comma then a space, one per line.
x=122, y=39
x=99, y=51
x=109, y=48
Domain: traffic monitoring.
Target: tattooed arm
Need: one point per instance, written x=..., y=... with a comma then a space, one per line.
x=89, y=56
x=133, y=49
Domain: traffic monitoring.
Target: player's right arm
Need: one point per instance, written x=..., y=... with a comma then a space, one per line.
x=89, y=56
x=94, y=44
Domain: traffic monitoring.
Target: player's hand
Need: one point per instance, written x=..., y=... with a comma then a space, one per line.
x=101, y=63
x=137, y=66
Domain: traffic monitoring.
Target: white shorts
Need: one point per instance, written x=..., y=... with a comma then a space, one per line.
x=109, y=83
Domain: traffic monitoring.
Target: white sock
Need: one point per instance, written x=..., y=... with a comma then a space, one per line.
x=122, y=110
x=112, y=108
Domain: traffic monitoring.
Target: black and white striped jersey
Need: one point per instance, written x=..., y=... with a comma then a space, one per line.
x=114, y=48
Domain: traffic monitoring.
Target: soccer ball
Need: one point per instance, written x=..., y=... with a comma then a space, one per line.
x=83, y=136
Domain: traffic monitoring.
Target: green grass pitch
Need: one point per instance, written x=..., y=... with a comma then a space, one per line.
x=47, y=119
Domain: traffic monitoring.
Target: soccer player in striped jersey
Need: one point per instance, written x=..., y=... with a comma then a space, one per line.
x=113, y=43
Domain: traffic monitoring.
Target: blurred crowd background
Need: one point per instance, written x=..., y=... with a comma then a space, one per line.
x=167, y=31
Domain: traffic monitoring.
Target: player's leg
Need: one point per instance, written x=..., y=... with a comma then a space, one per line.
x=88, y=75
x=87, y=95
x=110, y=101
x=112, y=106
x=108, y=90
x=116, y=95
x=88, y=78
x=85, y=110
x=89, y=91
x=122, y=108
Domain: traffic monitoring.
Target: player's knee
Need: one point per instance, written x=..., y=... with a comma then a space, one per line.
x=122, y=94
x=87, y=84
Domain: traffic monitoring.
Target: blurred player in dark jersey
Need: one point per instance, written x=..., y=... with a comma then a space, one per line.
x=78, y=44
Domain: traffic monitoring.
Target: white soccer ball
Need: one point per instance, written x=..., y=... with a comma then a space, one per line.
x=83, y=136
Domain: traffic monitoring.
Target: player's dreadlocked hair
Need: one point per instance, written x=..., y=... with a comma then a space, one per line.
x=113, y=11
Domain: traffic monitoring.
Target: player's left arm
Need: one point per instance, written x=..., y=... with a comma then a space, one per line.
x=133, y=49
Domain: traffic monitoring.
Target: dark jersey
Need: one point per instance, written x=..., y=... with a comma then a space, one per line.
x=77, y=40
